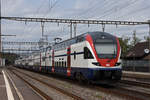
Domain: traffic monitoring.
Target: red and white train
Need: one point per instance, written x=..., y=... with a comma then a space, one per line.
x=93, y=56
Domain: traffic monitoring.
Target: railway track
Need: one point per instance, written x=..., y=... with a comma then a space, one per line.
x=35, y=89
x=138, y=78
x=137, y=83
x=132, y=89
x=123, y=92
x=74, y=97
x=119, y=91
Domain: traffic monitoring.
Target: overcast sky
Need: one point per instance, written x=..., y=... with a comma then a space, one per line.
x=129, y=10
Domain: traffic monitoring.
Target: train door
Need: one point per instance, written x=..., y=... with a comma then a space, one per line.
x=69, y=61
x=53, y=69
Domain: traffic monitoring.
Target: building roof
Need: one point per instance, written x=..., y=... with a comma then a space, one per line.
x=139, y=50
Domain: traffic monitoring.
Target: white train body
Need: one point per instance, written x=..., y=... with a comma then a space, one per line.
x=92, y=56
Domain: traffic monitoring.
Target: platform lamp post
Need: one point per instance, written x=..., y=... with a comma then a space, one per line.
x=0, y=35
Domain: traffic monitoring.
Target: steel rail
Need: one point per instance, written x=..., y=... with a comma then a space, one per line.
x=38, y=91
x=52, y=86
x=137, y=83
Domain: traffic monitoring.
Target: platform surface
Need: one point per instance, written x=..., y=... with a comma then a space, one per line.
x=3, y=93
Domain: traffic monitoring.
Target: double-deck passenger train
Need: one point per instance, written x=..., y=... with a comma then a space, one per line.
x=92, y=56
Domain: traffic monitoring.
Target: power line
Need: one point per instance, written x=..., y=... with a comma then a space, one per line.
x=38, y=10
x=113, y=9
x=137, y=11
x=122, y=5
x=104, y=5
x=51, y=6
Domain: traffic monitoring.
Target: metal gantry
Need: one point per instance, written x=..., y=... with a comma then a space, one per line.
x=0, y=33
x=24, y=43
x=74, y=21
x=22, y=47
x=18, y=49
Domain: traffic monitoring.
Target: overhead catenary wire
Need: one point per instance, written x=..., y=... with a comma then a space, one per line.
x=35, y=14
x=113, y=2
x=106, y=5
x=123, y=7
x=51, y=6
x=99, y=6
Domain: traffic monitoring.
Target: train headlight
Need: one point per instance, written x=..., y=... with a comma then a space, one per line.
x=96, y=63
x=118, y=63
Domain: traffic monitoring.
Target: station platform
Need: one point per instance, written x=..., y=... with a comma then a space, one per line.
x=3, y=93
x=12, y=88
x=144, y=75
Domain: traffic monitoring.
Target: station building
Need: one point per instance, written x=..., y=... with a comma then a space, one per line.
x=138, y=58
x=141, y=51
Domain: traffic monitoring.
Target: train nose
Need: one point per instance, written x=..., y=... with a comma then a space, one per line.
x=107, y=62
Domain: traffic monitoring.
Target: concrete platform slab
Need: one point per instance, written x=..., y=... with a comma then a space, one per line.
x=3, y=93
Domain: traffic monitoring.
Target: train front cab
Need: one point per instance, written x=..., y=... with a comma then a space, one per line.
x=106, y=51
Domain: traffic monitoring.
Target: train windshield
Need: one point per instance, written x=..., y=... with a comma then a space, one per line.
x=106, y=50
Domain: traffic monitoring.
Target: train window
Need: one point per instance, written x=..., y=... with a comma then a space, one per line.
x=59, y=64
x=50, y=57
x=65, y=64
x=55, y=63
x=87, y=53
x=80, y=39
x=43, y=58
x=62, y=64
x=74, y=55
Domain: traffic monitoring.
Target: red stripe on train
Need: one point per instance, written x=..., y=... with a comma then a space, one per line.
x=53, y=68
x=69, y=61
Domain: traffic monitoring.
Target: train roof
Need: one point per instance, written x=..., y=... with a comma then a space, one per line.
x=93, y=34
x=96, y=33
x=101, y=35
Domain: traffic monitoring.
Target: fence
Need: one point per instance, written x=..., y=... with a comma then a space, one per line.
x=136, y=65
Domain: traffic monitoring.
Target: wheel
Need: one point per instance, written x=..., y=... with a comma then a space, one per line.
x=81, y=79
x=78, y=77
